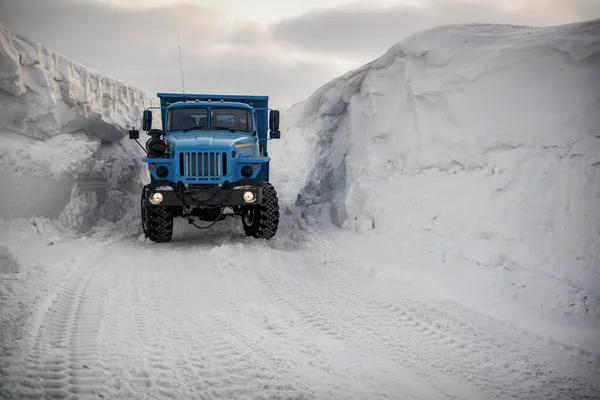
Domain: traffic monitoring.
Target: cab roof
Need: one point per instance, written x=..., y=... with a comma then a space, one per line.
x=213, y=104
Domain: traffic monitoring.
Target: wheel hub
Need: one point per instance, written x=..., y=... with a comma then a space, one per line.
x=249, y=216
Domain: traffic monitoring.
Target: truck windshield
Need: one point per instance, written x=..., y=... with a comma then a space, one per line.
x=220, y=118
x=230, y=118
x=185, y=118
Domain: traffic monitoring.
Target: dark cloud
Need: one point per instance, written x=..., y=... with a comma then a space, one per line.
x=369, y=32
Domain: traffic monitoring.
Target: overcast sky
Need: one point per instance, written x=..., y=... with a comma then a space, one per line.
x=282, y=48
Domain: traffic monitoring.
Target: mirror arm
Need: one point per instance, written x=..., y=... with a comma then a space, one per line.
x=139, y=144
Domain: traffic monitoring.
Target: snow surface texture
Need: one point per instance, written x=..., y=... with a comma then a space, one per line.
x=217, y=315
x=474, y=149
x=62, y=126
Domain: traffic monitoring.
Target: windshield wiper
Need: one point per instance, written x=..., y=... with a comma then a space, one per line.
x=193, y=127
x=224, y=128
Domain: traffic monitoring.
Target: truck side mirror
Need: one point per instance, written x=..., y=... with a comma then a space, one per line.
x=147, y=120
x=274, y=124
x=134, y=134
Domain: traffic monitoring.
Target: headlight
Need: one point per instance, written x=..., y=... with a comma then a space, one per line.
x=162, y=171
x=249, y=197
x=247, y=171
x=157, y=198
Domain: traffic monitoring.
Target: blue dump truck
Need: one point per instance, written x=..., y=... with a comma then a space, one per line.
x=209, y=161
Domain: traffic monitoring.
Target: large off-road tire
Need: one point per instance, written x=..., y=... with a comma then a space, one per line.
x=157, y=222
x=261, y=221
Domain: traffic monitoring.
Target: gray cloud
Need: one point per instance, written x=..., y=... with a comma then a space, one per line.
x=368, y=32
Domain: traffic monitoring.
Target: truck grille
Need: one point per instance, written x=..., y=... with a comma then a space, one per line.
x=202, y=166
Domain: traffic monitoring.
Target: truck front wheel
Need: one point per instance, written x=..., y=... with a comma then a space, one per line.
x=261, y=221
x=157, y=222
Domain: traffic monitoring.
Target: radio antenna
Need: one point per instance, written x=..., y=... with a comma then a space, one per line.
x=181, y=66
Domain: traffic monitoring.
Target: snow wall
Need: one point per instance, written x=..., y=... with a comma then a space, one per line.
x=468, y=145
x=64, y=153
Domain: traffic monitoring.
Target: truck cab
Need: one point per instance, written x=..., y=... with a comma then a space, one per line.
x=209, y=161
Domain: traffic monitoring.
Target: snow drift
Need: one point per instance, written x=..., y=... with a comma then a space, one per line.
x=61, y=130
x=8, y=263
x=470, y=151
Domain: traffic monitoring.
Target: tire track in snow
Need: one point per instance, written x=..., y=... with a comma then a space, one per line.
x=530, y=362
x=461, y=346
x=245, y=370
x=273, y=376
x=174, y=309
x=342, y=367
x=64, y=361
x=119, y=342
x=149, y=322
x=139, y=377
x=152, y=307
x=498, y=360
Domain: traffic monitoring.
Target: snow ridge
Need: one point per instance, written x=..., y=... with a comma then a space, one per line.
x=44, y=94
x=472, y=144
x=62, y=127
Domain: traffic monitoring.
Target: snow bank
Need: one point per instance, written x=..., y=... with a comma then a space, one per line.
x=472, y=152
x=62, y=126
x=8, y=263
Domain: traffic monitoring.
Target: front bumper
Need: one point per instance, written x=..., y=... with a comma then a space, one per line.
x=213, y=196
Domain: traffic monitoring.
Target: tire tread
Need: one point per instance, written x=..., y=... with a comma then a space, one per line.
x=266, y=215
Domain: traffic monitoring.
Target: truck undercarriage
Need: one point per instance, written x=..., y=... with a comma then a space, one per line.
x=256, y=203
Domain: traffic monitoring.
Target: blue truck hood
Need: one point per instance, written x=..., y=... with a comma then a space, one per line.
x=212, y=139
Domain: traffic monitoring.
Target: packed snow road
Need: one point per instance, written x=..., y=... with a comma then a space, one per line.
x=215, y=315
